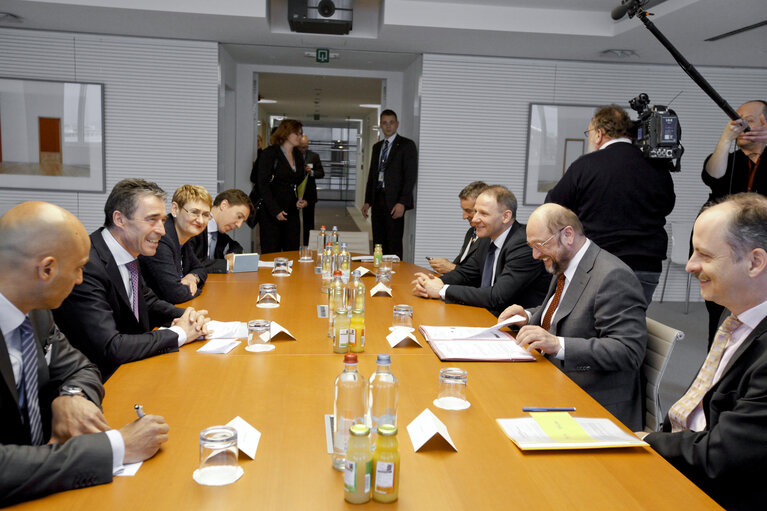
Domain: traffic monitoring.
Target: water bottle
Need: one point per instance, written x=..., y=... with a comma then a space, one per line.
x=344, y=262
x=336, y=300
x=348, y=408
x=382, y=397
x=334, y=235
x=355, y=292
x=327, y=268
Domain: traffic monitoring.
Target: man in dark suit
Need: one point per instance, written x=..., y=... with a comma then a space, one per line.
x=620, y=197
x=53, y=435
x=110, y=316
x=315, y=171
x=501, y=271
x=716, y=434
x=391, y=179
x=592, y=323
x=467, y=197
x=213, y=246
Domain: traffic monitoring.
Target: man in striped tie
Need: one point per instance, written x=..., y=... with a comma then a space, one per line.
x=592, y=323
x=716, y=434
x=53, y=435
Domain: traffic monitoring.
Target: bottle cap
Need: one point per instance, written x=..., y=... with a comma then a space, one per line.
x=350, y=358
x=359, y=430
x=337, y=272
x=344, y=244
x=387, y=430
x=383, y=359
x=322, y=227
x=356, y=273
x=335, y=228
x=329, y=244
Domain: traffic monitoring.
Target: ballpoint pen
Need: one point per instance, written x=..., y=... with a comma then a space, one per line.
x=139, y=411
x=548, y=408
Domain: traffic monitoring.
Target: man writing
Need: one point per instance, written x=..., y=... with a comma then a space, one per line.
x=389, y=190
x=501, y=271
x=591, y=324
x=110, y=316
x=53, y=436
x=715, y=434
x=467, y=197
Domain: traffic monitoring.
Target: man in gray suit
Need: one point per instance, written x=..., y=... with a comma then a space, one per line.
x=53, y=435
x=592, y=322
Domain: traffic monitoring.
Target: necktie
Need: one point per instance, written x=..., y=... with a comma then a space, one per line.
x=554, y=302
x=133, y=269
x=29, y=375
x=382, y=163
x=681, y=410
x=212, y=245
x=487, y=271
x=468, y=246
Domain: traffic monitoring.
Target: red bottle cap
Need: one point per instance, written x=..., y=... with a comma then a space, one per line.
x=350, y=358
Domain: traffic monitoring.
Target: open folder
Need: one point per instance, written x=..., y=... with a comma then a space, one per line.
x=474, y=343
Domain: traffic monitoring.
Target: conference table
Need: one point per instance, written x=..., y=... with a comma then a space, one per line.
x=285, y=394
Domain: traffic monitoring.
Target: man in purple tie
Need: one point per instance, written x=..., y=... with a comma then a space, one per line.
x=716, y=434
x=111, y=315
x=53, y=435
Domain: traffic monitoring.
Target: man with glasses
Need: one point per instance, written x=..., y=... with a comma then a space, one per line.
x=111, y=315
x=501, y=270
x=591, y=324
x=620, y=197
x=214, y=247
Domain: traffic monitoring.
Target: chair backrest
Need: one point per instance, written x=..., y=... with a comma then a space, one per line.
x=680, y=242
x=359, y=242
x=661, y=340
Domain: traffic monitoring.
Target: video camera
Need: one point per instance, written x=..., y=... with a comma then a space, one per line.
x=657, y=132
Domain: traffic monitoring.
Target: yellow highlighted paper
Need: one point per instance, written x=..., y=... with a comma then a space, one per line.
x=561, y=427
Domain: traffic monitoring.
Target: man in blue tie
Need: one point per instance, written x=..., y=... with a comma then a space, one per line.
x=500, y=272
x=389, y=190
x=53, y=435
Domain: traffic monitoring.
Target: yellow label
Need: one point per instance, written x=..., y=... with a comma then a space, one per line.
x=561, y=427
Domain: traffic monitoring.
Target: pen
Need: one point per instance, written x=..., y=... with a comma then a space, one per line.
x=139, y=411
x=548, y=408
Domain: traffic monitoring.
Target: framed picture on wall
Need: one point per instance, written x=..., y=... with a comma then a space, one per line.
x=555, y=139
x=51, y=135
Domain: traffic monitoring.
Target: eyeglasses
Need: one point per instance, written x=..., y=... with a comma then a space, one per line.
x=197, y=213
x=586, y=133
x=540, y=246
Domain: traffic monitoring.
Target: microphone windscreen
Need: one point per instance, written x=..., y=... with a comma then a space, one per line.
x=620, y=11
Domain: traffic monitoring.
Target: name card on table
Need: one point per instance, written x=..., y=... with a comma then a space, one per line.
x=219, y=346
x=364, y=271
x=380, y=288
x=427, y=426
x=401, y=335
x=277, y=329
x=247, y=436
x=244, y=262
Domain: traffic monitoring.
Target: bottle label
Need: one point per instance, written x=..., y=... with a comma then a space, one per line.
x=352, y=337
x=362, y=337
x=384, y=477
x=343, y=337
x=368, y=475
x=350, y=477
x=341, y=438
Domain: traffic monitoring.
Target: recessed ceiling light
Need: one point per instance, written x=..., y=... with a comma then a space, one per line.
x=370, y=105
x=621, y=54
x=262, y=100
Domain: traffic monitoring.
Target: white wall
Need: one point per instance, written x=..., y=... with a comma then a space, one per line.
x=160, y=107
x=474, y=117
x=410, y=123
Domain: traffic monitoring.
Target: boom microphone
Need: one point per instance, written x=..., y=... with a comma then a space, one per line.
x=620, y=11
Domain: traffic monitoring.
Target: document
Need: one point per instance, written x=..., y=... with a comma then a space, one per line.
x=426, y=426
x=560, y=430
x=226, y=329
x=128, y=470
x=445, y=333
x=479, y=350
x=219, y=346
x=363, y=258
x=247, y=436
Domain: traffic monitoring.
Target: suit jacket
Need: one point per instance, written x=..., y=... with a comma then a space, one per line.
x=728, y=459
x=164, y=270
x=310, y=194
x=28, y=472
x=98, y=318
x=400, y=174
x=224, y=245
x=466, y=240
x=602, y=319
x=277, y=180
x=518, y=277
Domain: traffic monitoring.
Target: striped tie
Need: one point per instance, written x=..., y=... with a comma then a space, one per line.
x=29, y=376
x=133, y=269
x=546, y=324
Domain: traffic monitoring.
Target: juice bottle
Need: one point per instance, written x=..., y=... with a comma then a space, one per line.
x=377, y=255
x=336, y=300
x=344, y=262
x=341, y=331
x=357, y=332
x=359, y=466
x=386, y=465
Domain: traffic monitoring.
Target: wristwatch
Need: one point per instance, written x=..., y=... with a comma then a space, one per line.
x=71, y=390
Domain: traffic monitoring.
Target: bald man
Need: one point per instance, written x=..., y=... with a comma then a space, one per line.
x=53, y=435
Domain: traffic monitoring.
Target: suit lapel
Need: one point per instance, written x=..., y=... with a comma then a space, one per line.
x=760, y=330
x=502, y=253
x=576, y=287
x=7, y=370
x=100, y=246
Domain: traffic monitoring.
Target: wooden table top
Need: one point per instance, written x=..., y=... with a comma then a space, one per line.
x=286, y=392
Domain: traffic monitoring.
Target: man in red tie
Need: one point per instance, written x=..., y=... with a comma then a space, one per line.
x=592, y=322
x=716, y=434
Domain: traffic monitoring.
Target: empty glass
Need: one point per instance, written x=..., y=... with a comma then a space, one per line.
x=452, y=389
x=261, y=330
x=267, y=296
x=305, y=255
x=386, y=263
x=384, y=277
x=402, y=317
x=281, y=267
x=218, y=457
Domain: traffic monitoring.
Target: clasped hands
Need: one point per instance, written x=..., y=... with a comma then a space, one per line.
x=531, y=336
x=193, y=322
x=427, y=286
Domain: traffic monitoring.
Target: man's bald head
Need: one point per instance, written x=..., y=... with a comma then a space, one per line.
x=43, y=249
x=555, y=217
x=304, y=143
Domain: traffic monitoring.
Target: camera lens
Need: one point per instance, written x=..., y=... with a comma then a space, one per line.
x=326, y=8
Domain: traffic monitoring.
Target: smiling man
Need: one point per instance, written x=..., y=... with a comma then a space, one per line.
x=213, y=246
x=111, y=314
x=501, y=270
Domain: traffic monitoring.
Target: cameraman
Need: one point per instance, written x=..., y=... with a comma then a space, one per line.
x=743, y=170
x=620, y=197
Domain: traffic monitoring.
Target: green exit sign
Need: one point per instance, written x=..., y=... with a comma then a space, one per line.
x=323, y=55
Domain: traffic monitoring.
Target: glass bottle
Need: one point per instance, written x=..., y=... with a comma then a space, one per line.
x=341, y=331
x=377, y=255
x=355, y=292
x=357, y=332
x=386, y=465
x=327, y=268
x=359, y=466
x=334, y=235
x=321, y=241
x=336, y=299
x=344, y=262
x=382, y=397
x=348, y=407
